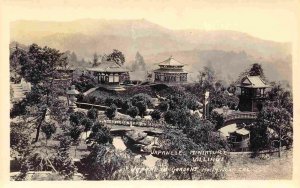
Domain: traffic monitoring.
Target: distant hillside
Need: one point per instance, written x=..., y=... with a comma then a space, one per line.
x=226, y=50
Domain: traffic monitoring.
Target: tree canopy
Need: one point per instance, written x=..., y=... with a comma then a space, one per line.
x=38, y=66
x=117, y=56
x=272, y=127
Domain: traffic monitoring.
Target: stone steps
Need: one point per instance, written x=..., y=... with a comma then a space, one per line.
x=18, y=92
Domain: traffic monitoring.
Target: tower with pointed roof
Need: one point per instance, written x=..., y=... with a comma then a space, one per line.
x=170, y=71
x=252, y=93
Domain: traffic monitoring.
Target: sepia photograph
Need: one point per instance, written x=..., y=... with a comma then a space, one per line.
x=150, y=90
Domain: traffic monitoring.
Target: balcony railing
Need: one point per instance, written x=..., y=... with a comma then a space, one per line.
x=241, y=115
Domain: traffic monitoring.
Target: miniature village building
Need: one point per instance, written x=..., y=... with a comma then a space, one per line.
x=170, y=71
x=65, y=72
x=237, y=137
x=110, y=74
x=252, y=93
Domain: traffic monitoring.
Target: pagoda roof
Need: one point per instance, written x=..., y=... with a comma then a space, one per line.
x=253, y=82
x=108, y=66
x=171, y=62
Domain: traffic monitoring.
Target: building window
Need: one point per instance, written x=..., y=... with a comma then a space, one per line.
x=111, y=78
x=116, y=78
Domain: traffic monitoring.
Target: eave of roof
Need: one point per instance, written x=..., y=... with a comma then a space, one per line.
x=108, y=66
x=254, y=82
x=169, y=71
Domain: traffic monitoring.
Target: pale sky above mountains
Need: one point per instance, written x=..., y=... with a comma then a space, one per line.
x=267, y=19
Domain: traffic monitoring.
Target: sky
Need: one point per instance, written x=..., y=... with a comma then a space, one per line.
x=267, y=19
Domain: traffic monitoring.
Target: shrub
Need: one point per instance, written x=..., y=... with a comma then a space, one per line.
x=133, y=111
x=155, y=115
x=92, y=114
x=111, y=111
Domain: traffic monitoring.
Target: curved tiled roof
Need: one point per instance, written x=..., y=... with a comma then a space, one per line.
x=253, y=82
x=108, y=66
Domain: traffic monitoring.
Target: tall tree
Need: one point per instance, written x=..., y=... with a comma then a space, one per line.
x=254, y=70
x=139, y=63
x=75, y=127
x=73, y=58
x=38, y=66
x=273, y=127
x=19, y=138
x=16, y=53
x=207, y=78
x=95, y=60
x=117, y=56
x=281, y=97
x=63, y=163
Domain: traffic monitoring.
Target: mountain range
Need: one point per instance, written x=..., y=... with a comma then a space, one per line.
x=228, y=52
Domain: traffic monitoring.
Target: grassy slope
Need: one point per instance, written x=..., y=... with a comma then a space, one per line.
x=259, y=169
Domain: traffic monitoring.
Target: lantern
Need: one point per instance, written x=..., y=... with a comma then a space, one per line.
x=72, y=97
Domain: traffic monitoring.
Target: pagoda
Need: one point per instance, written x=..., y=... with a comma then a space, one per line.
x=252, y=93
x=170, y=71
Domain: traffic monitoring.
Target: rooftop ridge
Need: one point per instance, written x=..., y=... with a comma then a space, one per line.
x=171, y=61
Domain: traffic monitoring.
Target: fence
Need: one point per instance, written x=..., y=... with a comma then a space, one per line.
x=262, y=153
x=125, y=122
x=137, y=123
x=89, y=106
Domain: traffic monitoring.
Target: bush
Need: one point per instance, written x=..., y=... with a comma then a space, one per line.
x=63, y=163
x=84, y=83
x=155, y=115
x=101, y=163
x=126, y=105
x=100, y=134
x=133, y=111
x=92, y=113
x=141, y=97
x=217, y=119
x=48, y=129
x=142, y=106
x=163, y=106
x=111, y=111
x=109, y=101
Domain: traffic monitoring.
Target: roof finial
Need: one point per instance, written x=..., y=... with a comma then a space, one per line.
x=171, y=57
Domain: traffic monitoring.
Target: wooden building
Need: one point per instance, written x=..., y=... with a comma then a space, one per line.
x=170, y=71
x=237, y=137
x=110, y=74
x=239, y=140
x=253, y=93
